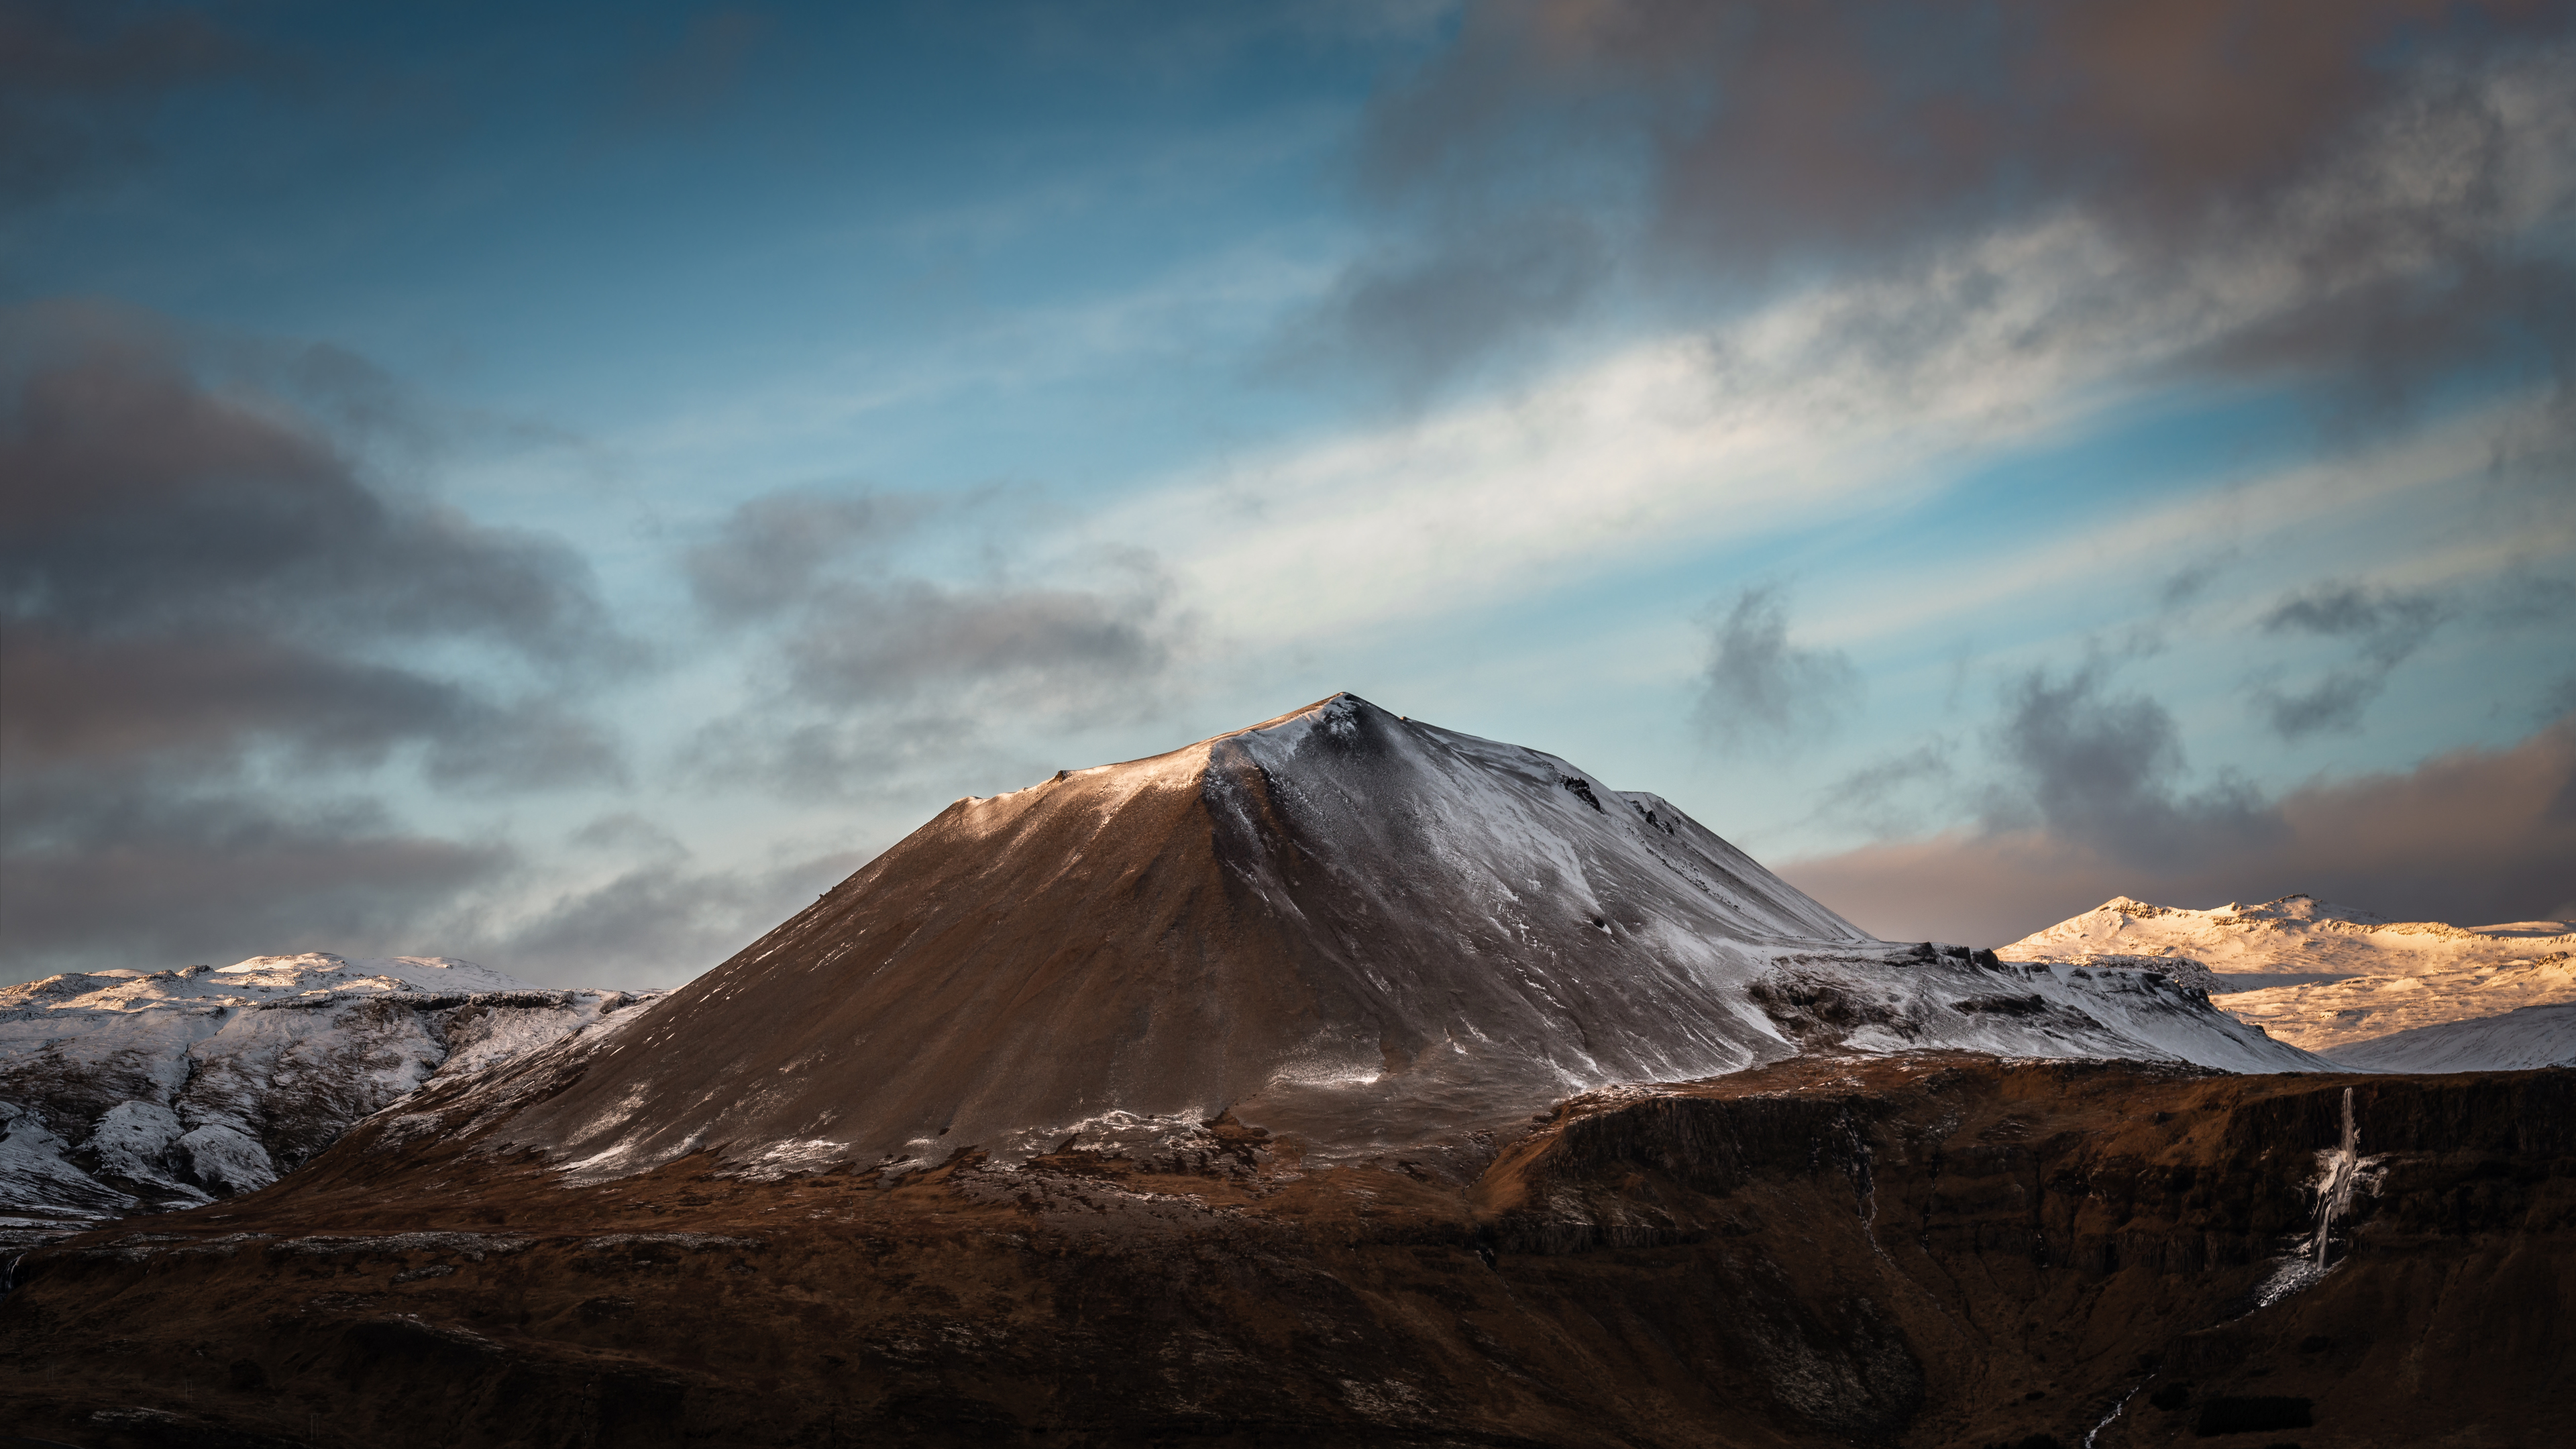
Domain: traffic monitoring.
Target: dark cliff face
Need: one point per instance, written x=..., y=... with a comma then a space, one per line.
x=1936, y=1250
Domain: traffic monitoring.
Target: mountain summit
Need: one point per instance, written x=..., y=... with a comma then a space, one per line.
x=1337, y=921
x=1362, y=932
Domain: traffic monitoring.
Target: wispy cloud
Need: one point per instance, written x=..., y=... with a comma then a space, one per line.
x=656, y=923
x=1877, y=388
x=2386, y=628
x=865, y=671
x=1759, y=690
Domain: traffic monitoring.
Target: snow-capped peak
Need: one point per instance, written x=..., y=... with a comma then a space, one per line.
x=2330, y=978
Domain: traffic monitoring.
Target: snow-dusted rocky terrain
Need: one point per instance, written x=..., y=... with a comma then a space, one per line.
x=2365, y=991
x=123, y=1091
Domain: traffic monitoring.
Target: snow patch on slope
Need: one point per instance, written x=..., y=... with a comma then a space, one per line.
x=2519, y=1040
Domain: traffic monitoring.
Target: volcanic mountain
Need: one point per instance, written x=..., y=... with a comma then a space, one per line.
x=1345, y=1081
x=1355, y=930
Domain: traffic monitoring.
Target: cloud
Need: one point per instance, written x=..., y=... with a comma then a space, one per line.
x=2100, y=768
x=1873, y=796
x=772, y=552
x=659, y=923
x=2387, y=157
x=146, y=877
x=1760, y=691
x=1414, y=310
x=2184, y=586
x=191, y=572
x=2386, y=628
x=870, y=674
x=2471, y=837
x=2561, y=697
x=213, y=623
x=80, y=80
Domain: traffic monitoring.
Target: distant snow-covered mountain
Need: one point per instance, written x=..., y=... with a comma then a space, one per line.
x=123, y=1091
x=2363, y=990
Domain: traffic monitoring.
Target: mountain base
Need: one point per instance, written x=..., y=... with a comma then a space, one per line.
x=1932, y=1250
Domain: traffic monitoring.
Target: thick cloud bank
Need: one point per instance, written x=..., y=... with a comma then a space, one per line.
x=217, y=626
x=2384, y=161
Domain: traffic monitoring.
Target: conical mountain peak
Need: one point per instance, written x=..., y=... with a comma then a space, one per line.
x=1346, y=927
x=1337, y=922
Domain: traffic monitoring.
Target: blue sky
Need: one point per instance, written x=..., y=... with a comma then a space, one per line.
x=560, y=489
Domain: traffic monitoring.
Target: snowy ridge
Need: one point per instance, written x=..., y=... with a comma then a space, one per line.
x=2340, y=981
x=127, y=1090
x=2520, y=1039
x=1965, y=1002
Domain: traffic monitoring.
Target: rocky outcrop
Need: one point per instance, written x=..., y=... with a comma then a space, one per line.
x=135, y=1091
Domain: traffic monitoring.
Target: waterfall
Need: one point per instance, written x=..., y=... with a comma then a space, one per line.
x=2341, y=1173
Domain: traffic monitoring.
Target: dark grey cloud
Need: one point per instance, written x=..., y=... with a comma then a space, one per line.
x=2471, y=837
x=203, y=595
x=659, y=923
x=2388, y=623
x=2185, y=585
x=773, y=553
x=870, y=673
x=191, y=572
x=147, y=876
x=2385, y=627
x=1068, y=648
x=2103, y=768
x=1742, y=142
x=2559, y=698
x=2522, y=600
x=627, y=831
x=1760, y=691
x=806, y=754
x=202, y=699
x=81, y=79
x=1886, y=796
